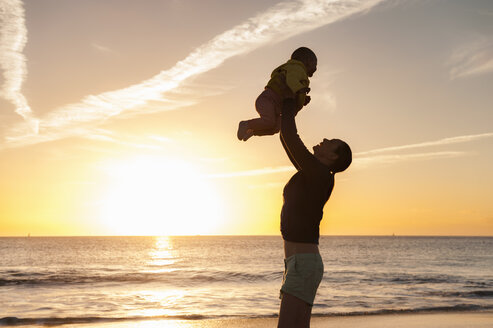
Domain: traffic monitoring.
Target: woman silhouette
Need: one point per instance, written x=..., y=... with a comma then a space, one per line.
x=305, y=195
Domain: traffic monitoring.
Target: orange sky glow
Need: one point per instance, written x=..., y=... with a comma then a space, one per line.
x=127, y=126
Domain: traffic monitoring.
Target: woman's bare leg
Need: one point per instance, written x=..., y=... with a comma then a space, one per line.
x=294, y=313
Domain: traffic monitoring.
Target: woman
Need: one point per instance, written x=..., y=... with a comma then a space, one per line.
x=304, y=198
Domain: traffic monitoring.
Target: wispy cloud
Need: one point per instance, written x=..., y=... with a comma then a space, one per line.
x=440, y=142
x=473, y=59
x=111, y=137
x=13, y=38
x=102, y=49
x=370, y=158
x=213, y=160
x=358, y=163
x=249, y=173
x=268, y=185
x=161, y=138
x=278, y=23
x=365, y=162
x=323, y=95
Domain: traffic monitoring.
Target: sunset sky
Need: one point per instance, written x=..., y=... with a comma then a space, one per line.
x=119, y=117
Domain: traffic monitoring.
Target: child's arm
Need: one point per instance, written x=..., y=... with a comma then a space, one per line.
x=297, y=81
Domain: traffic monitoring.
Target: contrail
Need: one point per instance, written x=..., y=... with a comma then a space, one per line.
x=441, y=142
x=391, y=159
x=372, y=157
x=13, y=38
x=358, y=163
x=473, y=59
x=278, y=23
x=249, y=173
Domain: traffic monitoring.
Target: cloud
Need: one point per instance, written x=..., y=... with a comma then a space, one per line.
x=213, y=160
x=13, y=38
x=365, y=162
x=440, y=142
x=358, y=163
x=102, y=49
x=111, y=137
x=278, y=23
x=161, y=139
x=268, y=185
x=370, y=158
x=473, y=59
x=249, y=173
x=323, y=97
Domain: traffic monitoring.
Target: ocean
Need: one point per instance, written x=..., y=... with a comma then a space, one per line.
x=60, y=280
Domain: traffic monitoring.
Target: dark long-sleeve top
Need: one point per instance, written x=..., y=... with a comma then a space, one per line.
x=308, y=190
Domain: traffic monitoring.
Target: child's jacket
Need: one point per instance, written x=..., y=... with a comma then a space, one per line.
x=293, y=72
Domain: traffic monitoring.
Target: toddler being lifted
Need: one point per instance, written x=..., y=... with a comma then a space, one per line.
x=287, y=81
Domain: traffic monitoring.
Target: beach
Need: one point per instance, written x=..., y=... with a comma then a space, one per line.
x=421, y=320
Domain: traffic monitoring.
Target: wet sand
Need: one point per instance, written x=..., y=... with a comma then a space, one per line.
x=421, y=320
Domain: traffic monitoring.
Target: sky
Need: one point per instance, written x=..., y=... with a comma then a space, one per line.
x=119, y=117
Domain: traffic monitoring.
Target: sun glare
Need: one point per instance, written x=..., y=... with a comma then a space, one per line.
x=158, y=196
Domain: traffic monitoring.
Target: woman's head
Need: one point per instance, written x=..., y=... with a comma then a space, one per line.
x=334, y=153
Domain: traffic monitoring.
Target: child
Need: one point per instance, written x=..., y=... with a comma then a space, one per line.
x=287, y=81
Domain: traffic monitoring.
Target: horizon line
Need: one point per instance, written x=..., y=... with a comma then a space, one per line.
x=239, y=235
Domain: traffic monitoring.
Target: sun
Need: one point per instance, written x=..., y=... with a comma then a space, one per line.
x=159, y=196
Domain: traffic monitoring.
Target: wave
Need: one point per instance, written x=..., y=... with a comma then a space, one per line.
x=177, y=277
x=56, y=321
x=463, y=294
x=401, y=278
x=437, y=309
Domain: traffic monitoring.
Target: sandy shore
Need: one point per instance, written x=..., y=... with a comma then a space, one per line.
x=422, y=320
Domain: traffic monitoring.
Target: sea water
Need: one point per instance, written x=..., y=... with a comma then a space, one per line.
x=57, y=280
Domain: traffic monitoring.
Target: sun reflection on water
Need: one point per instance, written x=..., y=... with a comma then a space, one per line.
x=161, y=324
x=151, y=324
x=167, y=300
x=162, y=254
x=160, y=260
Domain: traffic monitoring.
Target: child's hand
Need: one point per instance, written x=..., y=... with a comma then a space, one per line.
x=307, y=100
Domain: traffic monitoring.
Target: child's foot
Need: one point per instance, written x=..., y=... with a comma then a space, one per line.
x=248, y=134
x=244, y=133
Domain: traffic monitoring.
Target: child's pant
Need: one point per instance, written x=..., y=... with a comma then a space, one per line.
x=268, y=106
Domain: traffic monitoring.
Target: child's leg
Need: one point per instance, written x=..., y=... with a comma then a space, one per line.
x=272, y=131
x=266, y=106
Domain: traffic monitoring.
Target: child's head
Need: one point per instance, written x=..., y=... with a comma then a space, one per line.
x=334, y=153
x=307, y=57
